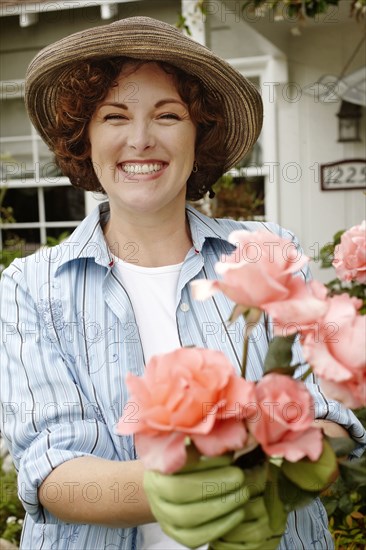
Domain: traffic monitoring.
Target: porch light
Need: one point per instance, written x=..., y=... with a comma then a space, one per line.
x=349, y=117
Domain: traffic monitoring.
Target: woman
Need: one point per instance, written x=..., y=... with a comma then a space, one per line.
x=139, y=111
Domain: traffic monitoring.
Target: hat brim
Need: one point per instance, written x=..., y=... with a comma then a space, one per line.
x=147, y=39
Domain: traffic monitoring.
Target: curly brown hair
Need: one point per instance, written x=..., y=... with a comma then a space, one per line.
x=87, y=84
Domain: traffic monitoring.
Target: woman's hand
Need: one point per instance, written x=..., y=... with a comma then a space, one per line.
x=206, y=501
x=200, y=503
x=253, y=533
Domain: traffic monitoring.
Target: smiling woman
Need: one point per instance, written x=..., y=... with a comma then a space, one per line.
x=85, y=87
x=143, y=149
x=151, y=118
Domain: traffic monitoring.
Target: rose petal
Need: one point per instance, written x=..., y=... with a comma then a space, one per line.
x=351, y=394
x=203, y=289
x=164, y=453
x=228, y=435
x=295, y=446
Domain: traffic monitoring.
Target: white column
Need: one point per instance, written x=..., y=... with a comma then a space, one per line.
x=272, y=71
x=28, y=19
x=108, y=10
x=273, y=75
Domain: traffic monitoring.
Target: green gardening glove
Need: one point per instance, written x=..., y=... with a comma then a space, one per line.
x=200, y=503
x=254, y=532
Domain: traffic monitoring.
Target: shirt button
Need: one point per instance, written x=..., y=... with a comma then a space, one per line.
x=184, y=306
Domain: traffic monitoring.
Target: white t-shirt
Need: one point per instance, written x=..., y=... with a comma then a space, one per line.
x=152, y=291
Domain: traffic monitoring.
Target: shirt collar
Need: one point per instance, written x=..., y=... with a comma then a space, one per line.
x=87, y=241
x=202, y=228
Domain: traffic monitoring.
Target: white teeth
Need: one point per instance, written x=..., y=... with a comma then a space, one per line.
x=141, y=168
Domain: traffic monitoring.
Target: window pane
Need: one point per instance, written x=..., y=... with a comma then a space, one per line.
x=23, y=204
x=13, y=118
x=55, y=235
x=47, y=165
x=25, y=241
x=240, y=199
x=64, y=203
x=16, y=160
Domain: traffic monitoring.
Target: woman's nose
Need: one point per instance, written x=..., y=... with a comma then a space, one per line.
x=140, y=136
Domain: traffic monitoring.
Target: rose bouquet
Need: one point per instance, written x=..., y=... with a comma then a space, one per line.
x=228, y=458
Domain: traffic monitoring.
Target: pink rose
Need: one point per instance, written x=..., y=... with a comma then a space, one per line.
x=260, y=274
x=350, y=255
x=336, y=350
x=282, y=423
x=351, y=394
x=300, y=310
x=189, y=392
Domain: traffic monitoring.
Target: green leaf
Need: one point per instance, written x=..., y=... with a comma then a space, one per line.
x=330, y=506
x=289, y=371
x=326, y=255
x=353, y=472
x=313, y=476
x=337, y=236
x=275, y=507
x=292, y=496
x=279, y=354
x=53, y=241
x=345, y=505
x=182, y=24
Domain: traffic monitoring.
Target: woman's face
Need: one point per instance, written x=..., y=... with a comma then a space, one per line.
x=142, y=142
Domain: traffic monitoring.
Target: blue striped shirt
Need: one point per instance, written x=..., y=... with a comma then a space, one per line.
x=69, y=337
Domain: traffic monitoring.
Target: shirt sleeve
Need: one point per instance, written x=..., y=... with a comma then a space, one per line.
x=46, y=420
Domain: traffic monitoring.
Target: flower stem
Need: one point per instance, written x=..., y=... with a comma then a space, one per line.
x=306, y=374
x=245, y=356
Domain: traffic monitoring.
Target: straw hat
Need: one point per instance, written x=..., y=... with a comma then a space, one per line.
x=153, y=40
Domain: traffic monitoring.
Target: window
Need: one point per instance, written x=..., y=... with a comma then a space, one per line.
x=37, y=202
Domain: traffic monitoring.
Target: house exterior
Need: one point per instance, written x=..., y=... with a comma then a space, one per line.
x=296, y=67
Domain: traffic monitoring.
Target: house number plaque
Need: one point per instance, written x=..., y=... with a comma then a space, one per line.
x=343, y=175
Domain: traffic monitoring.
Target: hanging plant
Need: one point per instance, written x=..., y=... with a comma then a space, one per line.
x=301, y=9
x=182, y=24
x=294, y=10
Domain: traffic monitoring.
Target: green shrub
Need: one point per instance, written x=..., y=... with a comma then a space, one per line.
x=11, y=509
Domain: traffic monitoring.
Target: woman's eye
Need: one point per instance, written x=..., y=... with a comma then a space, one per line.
x=115, y=116
x=169, y=116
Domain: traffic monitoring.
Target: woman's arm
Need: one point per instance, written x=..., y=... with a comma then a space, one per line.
x=95, y=490
x=331, y=429
x=62, y=446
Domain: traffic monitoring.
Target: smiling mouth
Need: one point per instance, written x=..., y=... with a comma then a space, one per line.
x=143, y=168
